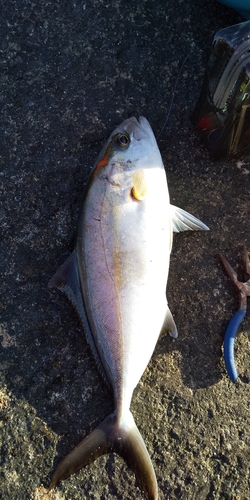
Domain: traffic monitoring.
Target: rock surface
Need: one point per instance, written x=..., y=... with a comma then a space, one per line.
x=71, y=70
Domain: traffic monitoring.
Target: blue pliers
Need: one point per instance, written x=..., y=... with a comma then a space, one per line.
x=231, y=331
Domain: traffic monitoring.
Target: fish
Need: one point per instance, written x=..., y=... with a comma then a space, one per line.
x=116, y=278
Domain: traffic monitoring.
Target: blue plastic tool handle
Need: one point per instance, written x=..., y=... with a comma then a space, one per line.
x=230, y=335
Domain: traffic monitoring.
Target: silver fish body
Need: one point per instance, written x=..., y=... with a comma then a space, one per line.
x=117, y=278
x=123, y=258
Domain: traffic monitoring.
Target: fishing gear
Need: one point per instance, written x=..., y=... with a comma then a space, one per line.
x=173, y=94
x=231, y=331
x=222, y=112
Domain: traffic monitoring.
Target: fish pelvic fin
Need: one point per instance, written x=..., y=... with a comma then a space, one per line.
x=184, y=221
x=116, y=435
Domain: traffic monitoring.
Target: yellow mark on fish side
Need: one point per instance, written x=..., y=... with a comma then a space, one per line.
x=140, y=188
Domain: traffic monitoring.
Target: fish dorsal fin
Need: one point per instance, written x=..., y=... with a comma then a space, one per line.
x=169, y=325
x=67, y=280
x=184, y=221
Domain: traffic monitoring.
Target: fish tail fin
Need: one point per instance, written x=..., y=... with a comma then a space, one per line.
x=112, y=435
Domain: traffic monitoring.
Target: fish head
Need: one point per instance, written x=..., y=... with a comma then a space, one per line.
x=132, y=146
x=142, y=147
x=130, y=166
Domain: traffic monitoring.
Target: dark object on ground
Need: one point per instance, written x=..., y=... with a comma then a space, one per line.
x=222, y=112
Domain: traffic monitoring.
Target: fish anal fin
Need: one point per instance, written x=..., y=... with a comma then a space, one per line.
x=169, y=325
x=111, y=436
x=184, y=221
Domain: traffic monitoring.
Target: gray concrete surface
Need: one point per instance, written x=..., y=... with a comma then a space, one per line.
x=70, y=72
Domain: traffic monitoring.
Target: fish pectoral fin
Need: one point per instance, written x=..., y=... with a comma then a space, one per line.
x=140, y=187
x=169, y=325
x=112, y=436
x=184, y=221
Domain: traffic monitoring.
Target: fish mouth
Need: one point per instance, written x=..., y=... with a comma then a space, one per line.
x=138, y=129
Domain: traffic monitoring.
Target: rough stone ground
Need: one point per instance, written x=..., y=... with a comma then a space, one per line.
x=70, y=72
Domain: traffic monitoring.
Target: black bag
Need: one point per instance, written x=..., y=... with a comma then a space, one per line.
x=222, y=112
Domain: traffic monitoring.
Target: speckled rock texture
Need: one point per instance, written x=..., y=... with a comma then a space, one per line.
x=71, y=70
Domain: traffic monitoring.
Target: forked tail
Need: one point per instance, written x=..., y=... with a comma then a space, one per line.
x=112, y=435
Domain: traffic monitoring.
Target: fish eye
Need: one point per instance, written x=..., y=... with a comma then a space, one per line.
x=122, y=141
